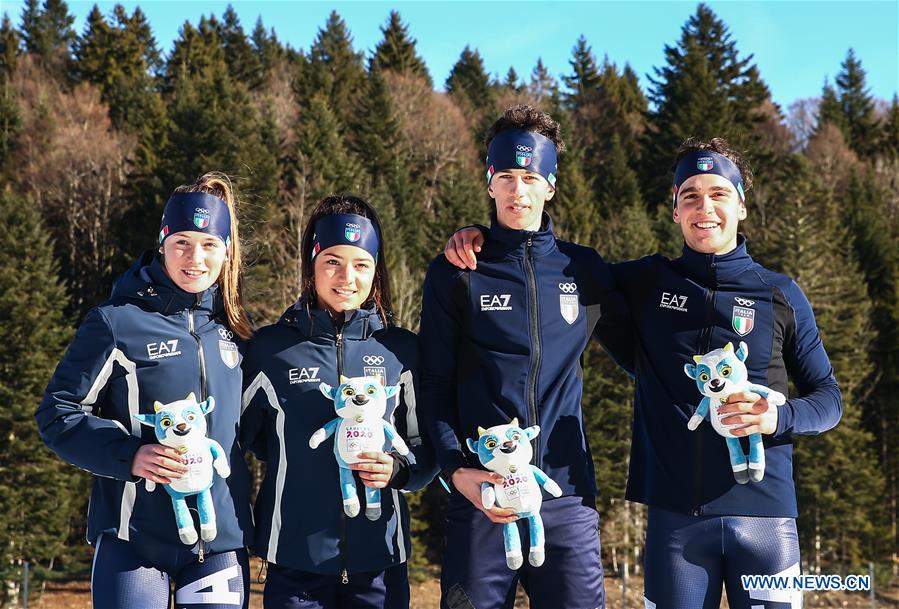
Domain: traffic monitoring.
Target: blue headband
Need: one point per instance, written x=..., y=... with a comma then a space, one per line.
x=522, y=149
x=196, y=211
x=345, y=229
x=706, y=161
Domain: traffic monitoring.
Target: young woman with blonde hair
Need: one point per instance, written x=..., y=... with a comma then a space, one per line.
x=173, y=327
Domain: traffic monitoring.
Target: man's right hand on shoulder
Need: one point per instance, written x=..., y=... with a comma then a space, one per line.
x=461, y=248
x=467, y=481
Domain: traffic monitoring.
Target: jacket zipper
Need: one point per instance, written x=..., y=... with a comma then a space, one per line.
x=193, y=332
x=535, y=345
x=191, y=327
x=344, y=578
x=705, y=345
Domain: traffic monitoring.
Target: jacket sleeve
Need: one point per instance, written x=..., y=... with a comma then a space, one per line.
x=70, y=416
x=614, y=329
x=252, y=407
x=441, y=328
x=421, y=462
x=819, y=405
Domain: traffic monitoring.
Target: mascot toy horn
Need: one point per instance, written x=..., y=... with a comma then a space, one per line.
x=182, y=425
x=360, y=403
x=719, y=374
x=506, y=450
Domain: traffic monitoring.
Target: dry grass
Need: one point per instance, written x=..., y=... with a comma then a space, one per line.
x=426, y=595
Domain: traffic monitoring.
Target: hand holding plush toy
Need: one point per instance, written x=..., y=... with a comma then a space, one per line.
x=719, y=374
x=361, y=403
x=506, y=450
x=182, y=425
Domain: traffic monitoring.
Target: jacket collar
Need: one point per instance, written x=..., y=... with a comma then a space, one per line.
x=358, y=324
x=502, y=242
x=711, y=269
x=147, y=282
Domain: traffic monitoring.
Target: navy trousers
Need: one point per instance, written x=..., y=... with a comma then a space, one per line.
x=475, y=575
x=293, y=589
x=128, y=576
x=690, y=558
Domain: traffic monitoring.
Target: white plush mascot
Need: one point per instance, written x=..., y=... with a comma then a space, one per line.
x=719, y=374
x=506, y=450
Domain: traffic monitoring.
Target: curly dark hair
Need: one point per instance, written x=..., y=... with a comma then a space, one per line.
x=346, y=204
x=719, y=145
x=529, y=118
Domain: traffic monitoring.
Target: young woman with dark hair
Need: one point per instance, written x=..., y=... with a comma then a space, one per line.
x=320, y=552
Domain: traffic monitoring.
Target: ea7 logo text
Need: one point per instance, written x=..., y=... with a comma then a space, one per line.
x=496, y=302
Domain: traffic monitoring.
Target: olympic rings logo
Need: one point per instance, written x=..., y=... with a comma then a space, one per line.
x=744, y=302
x=201, y=210
x=373, y=360
x=568, y=288
x=226, y=334
x=521, y=148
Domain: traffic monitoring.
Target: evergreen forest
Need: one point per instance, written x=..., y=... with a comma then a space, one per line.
x=98, y=126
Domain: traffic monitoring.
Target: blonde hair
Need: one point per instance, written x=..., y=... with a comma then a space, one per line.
x=230, y=280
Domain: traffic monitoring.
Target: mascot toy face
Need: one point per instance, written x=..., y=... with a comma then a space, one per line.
x=360, y=398
x=504, y=448
x=721, y=372
x=180, y=423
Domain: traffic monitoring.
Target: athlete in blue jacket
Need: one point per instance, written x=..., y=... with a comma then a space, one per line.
x=173, y=326
x=341, y=326
x=504, y=341
x=707, y=528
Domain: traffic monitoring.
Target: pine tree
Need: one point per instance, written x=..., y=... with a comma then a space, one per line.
x=584, y=80
x=334, y=69
x=196, y=51
x=469, y=83
x=511, y=81
x=889, y=132
x=397, y=51
x=544, y=89
x=9, y=48
x=704, y=90
x=37, y=490
x=266, y=46
x=47, y=31
x=857, y=106
x=243, y=62
x=839, y=486
x=875, y=248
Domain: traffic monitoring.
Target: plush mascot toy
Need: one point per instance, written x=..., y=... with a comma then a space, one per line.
x=506, y=450
x=719, y=374
x=361, y=403
x=182, y=425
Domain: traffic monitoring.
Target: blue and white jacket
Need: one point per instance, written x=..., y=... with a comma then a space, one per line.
x=505, y=341
x=689, y=306
x=150, y=341
x=300, y=523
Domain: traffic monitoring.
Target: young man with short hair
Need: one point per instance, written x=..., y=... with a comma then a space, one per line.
x=711, y=522
x=504, y=342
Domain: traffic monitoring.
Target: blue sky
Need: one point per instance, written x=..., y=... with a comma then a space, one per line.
x=796, y=44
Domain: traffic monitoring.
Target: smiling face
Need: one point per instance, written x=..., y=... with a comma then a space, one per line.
x=519, y=196
x=193, y=260
x=343, y=276
x=500, y=446
x=708, y=211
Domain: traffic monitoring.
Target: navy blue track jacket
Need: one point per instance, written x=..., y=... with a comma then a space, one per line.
x=150, y=341
x=505, y=341
x=690, y=306
x=300, y=523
